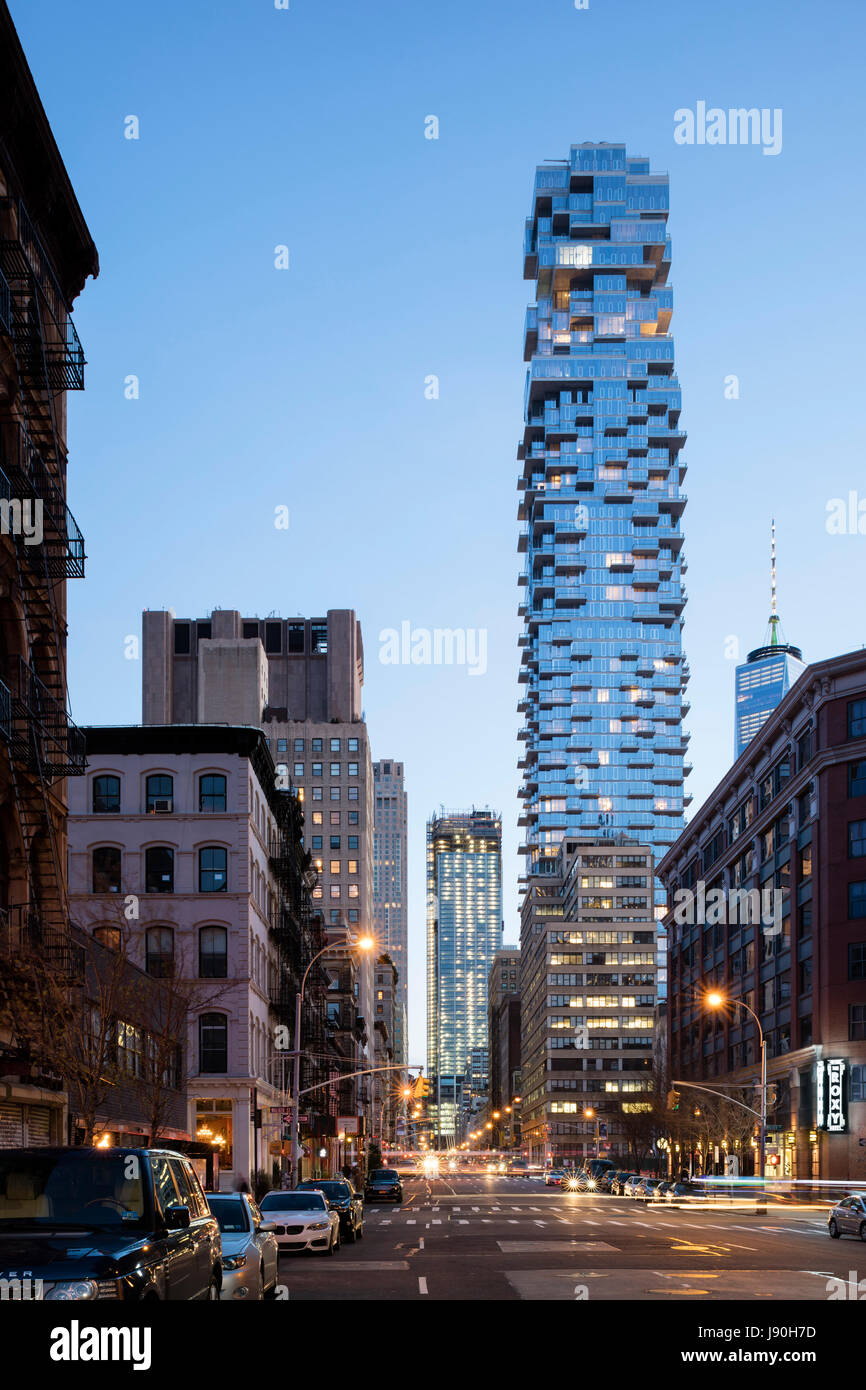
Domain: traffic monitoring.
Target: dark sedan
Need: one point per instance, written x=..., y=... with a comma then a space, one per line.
x=384, y=1185
x=343, y=1199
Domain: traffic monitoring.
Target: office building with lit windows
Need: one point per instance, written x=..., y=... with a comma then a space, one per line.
x=600, y=508
x=588, y=1000
x=464, y=931
x=390, y=904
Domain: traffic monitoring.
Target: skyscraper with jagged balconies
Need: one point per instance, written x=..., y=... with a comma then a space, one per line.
x=600, y=506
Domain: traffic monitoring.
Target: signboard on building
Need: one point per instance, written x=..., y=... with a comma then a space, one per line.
x=348, y=1124
x=831, y=1100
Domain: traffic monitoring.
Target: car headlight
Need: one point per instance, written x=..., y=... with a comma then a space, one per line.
x=73, y=1290
x=592, y=1184
x=234, y=1261
x=319, y=1226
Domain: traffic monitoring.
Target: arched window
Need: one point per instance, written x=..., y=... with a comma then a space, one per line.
x=213, y=953
x=109, y=937
x=159, y=943
x=159, y=869
x=158, y=793
x=213, y=1043
x=106, y=869
x=106, y=795
x=213, y=869
x=212, y=792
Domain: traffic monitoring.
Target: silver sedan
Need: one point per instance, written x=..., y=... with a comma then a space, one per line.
x=848, y=1217
x=250, y=1253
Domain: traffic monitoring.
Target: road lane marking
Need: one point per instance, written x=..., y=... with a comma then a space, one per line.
x=422, y=1284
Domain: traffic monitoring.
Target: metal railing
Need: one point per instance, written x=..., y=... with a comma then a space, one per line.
x=23, y=931
x=42, y=734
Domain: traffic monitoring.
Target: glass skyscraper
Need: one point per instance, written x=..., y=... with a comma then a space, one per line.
x=766, y=675
x=464, y=932
x=601, y=505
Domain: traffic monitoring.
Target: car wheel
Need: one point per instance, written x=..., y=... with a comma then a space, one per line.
x=213, y=1292
x=863, y=1230
x=834, y=1230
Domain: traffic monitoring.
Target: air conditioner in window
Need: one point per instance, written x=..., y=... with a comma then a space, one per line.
x=162, y=804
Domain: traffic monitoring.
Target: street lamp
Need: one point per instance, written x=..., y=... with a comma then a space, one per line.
x=590, y=1114
x=364, y=943
x=715, y=1000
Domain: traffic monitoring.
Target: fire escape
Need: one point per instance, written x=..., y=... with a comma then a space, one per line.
x=42, y=743
x=298, y=934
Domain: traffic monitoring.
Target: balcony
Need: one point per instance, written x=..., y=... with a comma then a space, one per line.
x=43, y=736
x=47, y=348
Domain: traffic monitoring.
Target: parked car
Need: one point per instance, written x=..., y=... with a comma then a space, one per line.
x=682, y=1193
x=250, y=1254
x=384, y=1185
x=302, y=1221
x=618, y=1181
x=647, y=1187
x=631, y=1185
x=344, y=1200
x=848, y=1218
x=662, y=1190
x=107, y=1224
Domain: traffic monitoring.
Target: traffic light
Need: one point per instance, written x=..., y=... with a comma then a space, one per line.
x=673, y=1100
x=421, y=1089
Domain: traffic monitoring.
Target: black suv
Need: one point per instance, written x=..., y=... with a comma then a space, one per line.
x=104, y=1224
x=341, y=1197
x=384, y=1185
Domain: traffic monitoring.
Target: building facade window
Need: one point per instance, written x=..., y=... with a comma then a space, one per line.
x=213, y=869
x=106, y=795
x=106, y=864
x=857, y=718
x=856, y=839
x=213, y=1043
x=212, y=792
x=159, y=952
x=857, y=1023
x=213, y=953
x=159, y=869
x=158, y=793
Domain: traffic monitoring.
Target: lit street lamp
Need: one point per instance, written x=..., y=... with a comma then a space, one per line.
x=364, y=943
x=715, y=1000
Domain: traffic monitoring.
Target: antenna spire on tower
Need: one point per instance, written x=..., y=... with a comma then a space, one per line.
x=774, y=616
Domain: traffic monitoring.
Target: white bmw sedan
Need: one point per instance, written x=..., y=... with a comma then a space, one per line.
x=302, y=1221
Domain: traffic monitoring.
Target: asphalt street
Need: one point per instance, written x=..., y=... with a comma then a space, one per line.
x=489, y=1237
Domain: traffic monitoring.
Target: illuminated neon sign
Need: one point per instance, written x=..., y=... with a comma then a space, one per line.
x=830, y=1100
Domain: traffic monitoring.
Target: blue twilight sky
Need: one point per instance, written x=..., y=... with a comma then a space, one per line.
x=305, y=387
